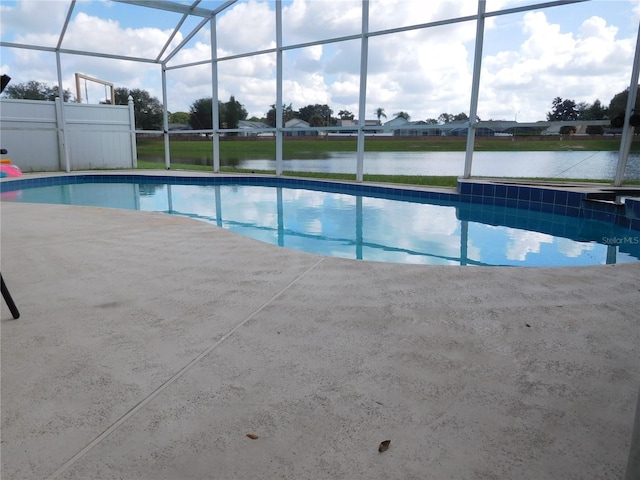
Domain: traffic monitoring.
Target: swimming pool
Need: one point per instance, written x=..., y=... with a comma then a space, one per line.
x=368, y=222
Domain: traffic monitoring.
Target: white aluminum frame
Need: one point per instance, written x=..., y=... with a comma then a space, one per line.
x=209, y=16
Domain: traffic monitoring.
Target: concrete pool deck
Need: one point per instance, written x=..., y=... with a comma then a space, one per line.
x=149, y=346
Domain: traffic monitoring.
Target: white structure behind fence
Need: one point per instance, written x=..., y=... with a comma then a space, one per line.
x=44, y=136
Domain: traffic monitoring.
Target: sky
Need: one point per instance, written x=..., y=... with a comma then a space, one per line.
x=582, y=52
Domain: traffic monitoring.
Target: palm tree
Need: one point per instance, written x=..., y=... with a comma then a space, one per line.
x=345, y=115
x=404, y=115
x=379, y=112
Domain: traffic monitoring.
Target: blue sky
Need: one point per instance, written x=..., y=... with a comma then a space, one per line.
x=581, y=51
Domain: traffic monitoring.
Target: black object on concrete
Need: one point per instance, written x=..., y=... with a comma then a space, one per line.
x=7, y=298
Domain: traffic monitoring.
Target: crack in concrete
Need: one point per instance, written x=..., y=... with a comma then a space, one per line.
x=65, y=466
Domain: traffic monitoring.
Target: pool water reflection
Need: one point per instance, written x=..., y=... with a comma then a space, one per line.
x=368, y=228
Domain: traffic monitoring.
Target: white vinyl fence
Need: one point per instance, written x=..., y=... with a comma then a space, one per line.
x=57, y=136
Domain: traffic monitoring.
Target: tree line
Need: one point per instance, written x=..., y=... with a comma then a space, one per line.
x=148, y=110
x=569, y=110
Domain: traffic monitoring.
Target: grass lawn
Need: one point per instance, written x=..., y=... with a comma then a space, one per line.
x=264, y=148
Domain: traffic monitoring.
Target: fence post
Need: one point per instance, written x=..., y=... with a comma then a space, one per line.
x=132, y=129
x=63, y=144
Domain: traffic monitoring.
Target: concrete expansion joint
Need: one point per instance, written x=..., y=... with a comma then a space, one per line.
x=65, y=466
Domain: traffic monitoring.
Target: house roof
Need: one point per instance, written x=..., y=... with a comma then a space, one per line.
x=396, y=122
x=296, y=122
x=248, y=124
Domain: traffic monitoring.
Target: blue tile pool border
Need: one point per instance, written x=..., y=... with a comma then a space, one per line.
x=556, y=200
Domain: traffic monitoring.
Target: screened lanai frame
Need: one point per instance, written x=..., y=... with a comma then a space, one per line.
x=209, y=16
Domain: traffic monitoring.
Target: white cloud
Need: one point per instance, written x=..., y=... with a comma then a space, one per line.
x=246, y=27
x=305, y=20
x=44, y=17
x=386, y=14
x=95, y=34
x=573, y=249
x=592, y=63
x=522, y=242
x=424, y=72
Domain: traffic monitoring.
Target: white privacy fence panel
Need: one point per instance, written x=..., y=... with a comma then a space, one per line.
x=97, y=136
x=28, y=130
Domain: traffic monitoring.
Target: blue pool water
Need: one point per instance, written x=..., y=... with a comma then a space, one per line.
x=391, y=229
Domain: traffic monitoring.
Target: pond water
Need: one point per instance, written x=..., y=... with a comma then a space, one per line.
x=573, y=164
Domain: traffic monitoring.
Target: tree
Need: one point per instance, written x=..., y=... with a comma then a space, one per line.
x=232, y=113
x=316, y=121
x=445, y=118
x=402, y=114
x=379, y=112
x=461, y=116
x=179, y=117
x=618, y=106
x=346, y=115
x=200, y=114
x=618, y=103
x=593, y=112
x=229, y=114
x=287, y=114
x=563, y=110
x=322, y=111
x=33, y=90
x=147, y=109
x=431, y=121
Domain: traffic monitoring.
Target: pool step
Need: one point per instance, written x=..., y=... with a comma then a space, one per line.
x=616, y=201
x=614, y=195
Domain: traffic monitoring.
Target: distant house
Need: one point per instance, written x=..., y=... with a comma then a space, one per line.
x=404, y=128
x=354, y=123
x=419, y=128
x=253, y=129
x=577, y=129
x=397, y=122
x=302, y=128
x=484, y=128
x=345, y=122
x=179, y=126
x=460, y=129
x=552, y=130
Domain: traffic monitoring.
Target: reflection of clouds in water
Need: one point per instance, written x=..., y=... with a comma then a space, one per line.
x=411, y=226
x=390, y=224
x=474, y=253
x=245, y=203
x=521, y=243
x=314, y=227
x=327, y=223
x=416, y=217
x=311, y=198
x=390, y=230
x=573, y=249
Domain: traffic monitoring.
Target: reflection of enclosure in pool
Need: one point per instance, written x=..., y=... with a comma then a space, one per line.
x=381, y=228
